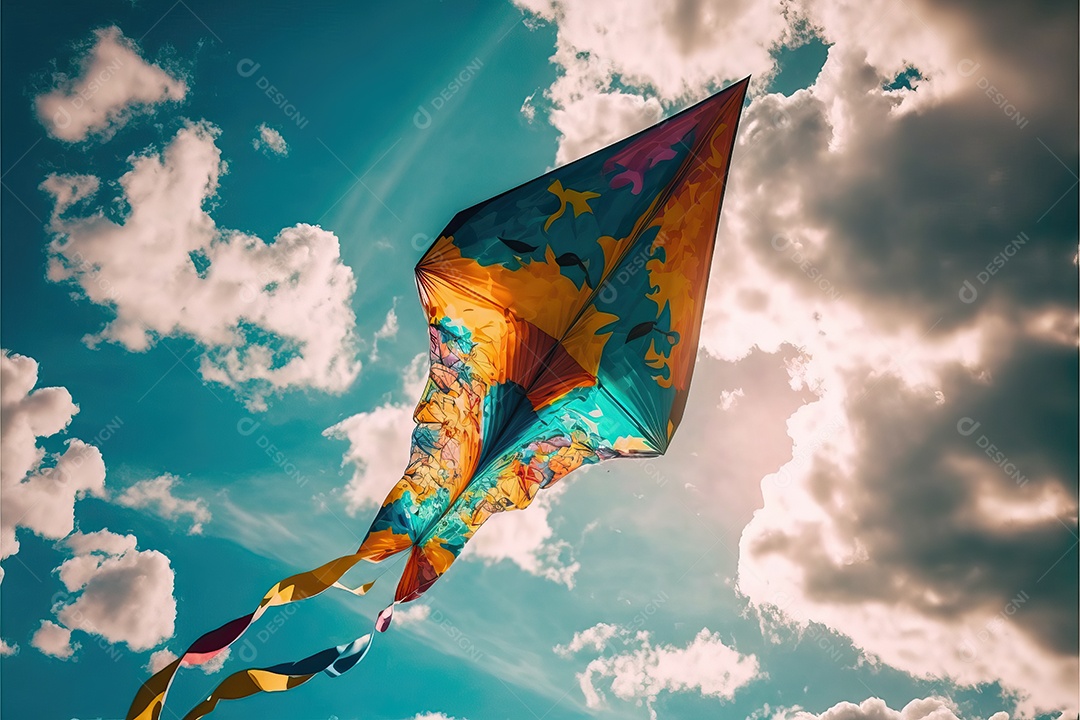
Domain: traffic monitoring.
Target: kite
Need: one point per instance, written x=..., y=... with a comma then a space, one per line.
x=563, y=320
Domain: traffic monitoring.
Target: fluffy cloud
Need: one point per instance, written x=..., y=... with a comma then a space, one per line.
x=39, y=489
x=272, y=316
x=412, y=614
x=593, y=121
x=885, y=498
x=269, y=140
x=379, y=441
x=378, y=451
x=112, y=83
x=434, y=716
x=157, y=496
x=641, y=671
x=527, y=540
x=212, y=666
x=54, y=640
x=388, y=331
x=854, y=217
x=622, y=64
x=865, y=529
x=596, y=638
x=160, y=660
x=931, y=708
x=115, y=591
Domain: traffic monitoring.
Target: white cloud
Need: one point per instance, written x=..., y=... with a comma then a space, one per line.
x=931, y=708
x=728, y=398
x=212, y=666
x=379, y=443
x=159, y=660
x=272, y=316
x=641, y=671
x=892, y=39
x=269, y=140
x=113, y=83
x=528, y=108
x=7, y=650
x=526, y=539
x=389, y=327
x=388, y=331
x=39, y=489
x=596, y=638
x=116, y=591
x=412, y=614
x=593, y=121
x=415, y=376
x=677, y=50
x=157, y=496
x=54, y=640
x=434, y=716
x=842, y=536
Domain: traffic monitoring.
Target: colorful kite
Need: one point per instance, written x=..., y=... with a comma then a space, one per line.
x=563, y=318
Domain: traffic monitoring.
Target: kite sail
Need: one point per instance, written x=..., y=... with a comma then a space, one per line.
x=563, y=319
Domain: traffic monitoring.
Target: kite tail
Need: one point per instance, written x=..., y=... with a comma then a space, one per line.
x=279, y=678
x=150, y=699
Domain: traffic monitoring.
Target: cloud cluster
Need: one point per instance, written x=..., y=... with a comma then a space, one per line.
x=890, y=524
x=113, y=83
x=928, y=510
x=271, y=315
x=931, y=708
x=39, y=488
x=156, y=495
x=640, y=670
x=114, y=591
x=269, y=141
x=674, y=49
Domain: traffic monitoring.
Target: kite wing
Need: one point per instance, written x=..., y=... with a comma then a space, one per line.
x=563, y=319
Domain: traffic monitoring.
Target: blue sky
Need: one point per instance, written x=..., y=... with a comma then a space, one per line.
x=825, y=529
